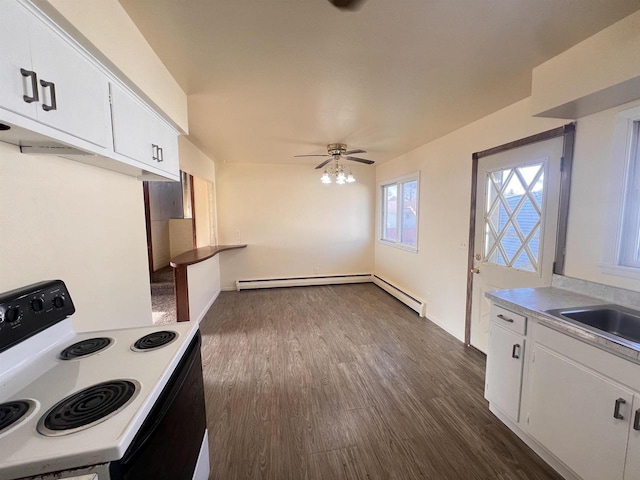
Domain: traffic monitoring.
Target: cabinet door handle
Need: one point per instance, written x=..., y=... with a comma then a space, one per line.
x=154, y=152
x=616, y=411
x=515, y=353
x=52, y=88
x=160, y=154
x=506, y=319
x=34, y=86
x=636, y=420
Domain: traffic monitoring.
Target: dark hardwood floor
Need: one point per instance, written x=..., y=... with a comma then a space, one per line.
x=343, y=382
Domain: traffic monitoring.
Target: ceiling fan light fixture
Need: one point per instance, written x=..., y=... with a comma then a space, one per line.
x=325, y=178
x=350, y=178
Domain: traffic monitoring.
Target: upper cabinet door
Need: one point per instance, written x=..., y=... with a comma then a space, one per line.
x=18, y=81
x=141, y=135
x=74, y=94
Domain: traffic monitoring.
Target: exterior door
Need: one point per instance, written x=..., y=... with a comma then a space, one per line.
x=516, y=224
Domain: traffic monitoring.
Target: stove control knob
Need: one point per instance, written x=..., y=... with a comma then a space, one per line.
x=58, y=302
x=37, y=305
x=13, y=314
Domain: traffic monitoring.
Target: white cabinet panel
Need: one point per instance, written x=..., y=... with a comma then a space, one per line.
x=572, y=414
x=140, y=135
x=504, y=370
x=632, y=467
x=81, y=103
x=16, y=55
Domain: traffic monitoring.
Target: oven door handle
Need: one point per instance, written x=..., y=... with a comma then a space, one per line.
x=167, y=403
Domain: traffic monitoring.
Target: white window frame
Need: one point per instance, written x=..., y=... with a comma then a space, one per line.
x=630, y=227
x=399, y=181
x=624, y=236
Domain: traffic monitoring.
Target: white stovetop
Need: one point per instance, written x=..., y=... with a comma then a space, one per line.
x=46, y=379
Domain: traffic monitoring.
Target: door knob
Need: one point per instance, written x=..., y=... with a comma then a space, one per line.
x=475, y=270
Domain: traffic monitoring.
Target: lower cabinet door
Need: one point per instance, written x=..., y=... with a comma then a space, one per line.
x=505, y=359
x=632, y=466
x=572, y=413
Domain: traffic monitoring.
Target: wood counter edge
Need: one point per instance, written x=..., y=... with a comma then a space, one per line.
x=201, y=254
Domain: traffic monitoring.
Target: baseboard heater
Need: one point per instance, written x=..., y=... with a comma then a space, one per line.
x=302, y=281
x=410, y=300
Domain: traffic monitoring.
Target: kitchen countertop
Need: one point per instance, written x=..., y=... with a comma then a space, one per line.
x=534, y=301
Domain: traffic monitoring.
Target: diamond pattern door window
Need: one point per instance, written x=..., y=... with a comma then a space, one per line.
x=514, y=216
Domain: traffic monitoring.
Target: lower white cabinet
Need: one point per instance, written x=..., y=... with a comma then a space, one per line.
x=632, y=465
x=505, y=361
x=503, y=384
x=572, y=412
x=141, y=135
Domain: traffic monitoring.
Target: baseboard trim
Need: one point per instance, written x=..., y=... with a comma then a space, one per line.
x=410, y=300
x=302, y=281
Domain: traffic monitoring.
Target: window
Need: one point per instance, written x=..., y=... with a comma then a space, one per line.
x=629, y=253
x=514, y=215
x=399, y=211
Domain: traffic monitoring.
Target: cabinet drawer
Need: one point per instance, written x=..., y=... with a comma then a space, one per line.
x=507, y=319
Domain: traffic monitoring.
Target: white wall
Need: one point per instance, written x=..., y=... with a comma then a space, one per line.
x=597, y=73
x=82, y=224
x=193, y=161
x=202, y=212
x=597, y=180
x=438, y=272
x=292, y=223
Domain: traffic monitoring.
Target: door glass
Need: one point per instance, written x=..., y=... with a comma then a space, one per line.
x=513, y=215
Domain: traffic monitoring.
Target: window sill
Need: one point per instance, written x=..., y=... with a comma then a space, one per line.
x=620, y=271
x=399, y=246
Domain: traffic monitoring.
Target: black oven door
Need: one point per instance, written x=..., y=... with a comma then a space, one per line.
x=168, y=443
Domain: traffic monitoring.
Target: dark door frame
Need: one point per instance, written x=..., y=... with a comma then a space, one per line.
x=147, y=221
x=568, y=132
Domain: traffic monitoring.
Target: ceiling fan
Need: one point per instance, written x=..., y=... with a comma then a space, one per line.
x=347, y=4
x=336, y=151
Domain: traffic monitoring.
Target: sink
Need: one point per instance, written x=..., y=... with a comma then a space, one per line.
x=616, y=322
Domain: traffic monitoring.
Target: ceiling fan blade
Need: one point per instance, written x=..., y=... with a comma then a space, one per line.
x=324, y=163
x=361, y=160
x=347, y=4
x=351, y=152
x=325, y=155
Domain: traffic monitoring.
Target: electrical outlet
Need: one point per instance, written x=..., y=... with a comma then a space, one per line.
x=463, y=245
x=316, y=270
x=237, y=237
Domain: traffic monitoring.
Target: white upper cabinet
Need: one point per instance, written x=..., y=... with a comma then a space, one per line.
x=55, y=99
x=74, y=94
x=18, y=82
x=141, y=135
x=42, y=76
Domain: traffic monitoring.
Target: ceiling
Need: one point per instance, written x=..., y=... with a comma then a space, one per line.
x=268, y=79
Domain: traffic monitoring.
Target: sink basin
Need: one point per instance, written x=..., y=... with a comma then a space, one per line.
x=615, y=321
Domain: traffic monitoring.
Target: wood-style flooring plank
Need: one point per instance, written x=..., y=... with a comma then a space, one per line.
x=345, y=382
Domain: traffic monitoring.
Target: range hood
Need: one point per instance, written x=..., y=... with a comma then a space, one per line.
x=34, y=143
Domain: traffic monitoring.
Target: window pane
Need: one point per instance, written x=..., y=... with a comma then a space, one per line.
x=390, y=195
x=630, y=242
x=409, y=210
x=513, y=216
